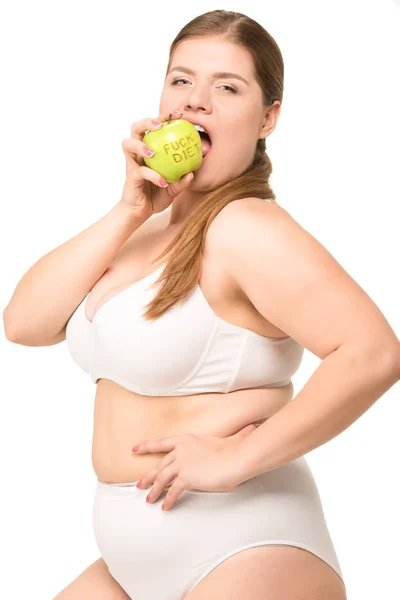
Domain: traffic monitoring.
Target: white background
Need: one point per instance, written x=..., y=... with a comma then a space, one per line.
x=75, y=76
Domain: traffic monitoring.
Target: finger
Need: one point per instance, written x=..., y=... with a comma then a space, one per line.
x=163, y=478
x=139, y=128
x=145, y=151
x=173, y=494
x=137, y=147
x=136, y=150
x=169, y=116
x=140, y=173
x=161, y=445
x=151, y=476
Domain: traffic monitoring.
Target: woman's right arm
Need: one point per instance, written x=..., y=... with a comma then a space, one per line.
x=50, y=291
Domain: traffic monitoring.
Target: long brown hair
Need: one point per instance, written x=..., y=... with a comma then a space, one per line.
x=183, y=269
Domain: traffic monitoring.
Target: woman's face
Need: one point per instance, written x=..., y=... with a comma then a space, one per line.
x=231, y=109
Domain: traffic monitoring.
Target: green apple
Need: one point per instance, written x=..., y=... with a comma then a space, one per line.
x=177, y=149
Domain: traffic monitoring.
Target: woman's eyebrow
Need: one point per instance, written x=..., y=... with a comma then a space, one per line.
x=219, y=74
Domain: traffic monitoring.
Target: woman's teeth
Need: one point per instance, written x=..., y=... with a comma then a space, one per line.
x=200, y=128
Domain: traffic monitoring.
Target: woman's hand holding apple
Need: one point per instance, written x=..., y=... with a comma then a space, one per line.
x=144, y=189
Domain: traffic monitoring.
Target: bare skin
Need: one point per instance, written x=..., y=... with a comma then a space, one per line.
x=94, y=583
x=266, y=579
x=123, y=418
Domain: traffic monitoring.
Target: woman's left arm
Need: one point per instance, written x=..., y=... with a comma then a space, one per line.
x=295, y=283
x=341, y=389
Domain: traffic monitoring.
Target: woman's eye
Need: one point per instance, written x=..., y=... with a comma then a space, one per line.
x=228, y=87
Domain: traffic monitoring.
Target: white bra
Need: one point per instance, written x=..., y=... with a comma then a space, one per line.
x=188, y=350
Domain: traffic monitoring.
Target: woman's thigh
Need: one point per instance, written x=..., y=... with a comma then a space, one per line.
x=93, y=583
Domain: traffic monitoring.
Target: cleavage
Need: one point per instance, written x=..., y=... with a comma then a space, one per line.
x=112, y=292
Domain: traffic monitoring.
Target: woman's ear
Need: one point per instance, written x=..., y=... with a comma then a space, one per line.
x=270, y=119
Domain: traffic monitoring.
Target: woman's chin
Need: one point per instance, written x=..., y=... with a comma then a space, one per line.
x=198, y=176
x=205, y=158
x=203, y=163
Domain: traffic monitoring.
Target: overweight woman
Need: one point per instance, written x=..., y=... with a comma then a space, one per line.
x=189, y=304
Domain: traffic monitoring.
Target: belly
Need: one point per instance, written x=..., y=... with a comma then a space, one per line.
x=123, y=419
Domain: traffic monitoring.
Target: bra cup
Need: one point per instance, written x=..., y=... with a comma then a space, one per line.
x=188, y=350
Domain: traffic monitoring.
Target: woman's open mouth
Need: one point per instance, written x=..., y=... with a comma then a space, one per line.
x=205, y=140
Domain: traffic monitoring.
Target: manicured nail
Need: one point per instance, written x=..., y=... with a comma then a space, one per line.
x=139, y=484
x=148, y=151
x=163, y=182
x=135, y=449
x=177, y=112
x=157, y=123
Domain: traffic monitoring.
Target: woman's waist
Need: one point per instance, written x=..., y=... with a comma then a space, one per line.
x=120, y=412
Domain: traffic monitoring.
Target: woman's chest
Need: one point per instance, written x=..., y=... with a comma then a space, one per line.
x=210, y=340
x=216, y=286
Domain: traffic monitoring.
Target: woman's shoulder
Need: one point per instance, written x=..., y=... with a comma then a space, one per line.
x=228, y=223
x=251, y=204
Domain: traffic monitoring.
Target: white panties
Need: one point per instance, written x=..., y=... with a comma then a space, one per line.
x=162, y=555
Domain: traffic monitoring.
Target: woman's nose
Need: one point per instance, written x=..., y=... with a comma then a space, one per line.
x=197, y=99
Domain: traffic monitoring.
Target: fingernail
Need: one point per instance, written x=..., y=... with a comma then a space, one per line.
x=163, y=182
x=157, y=123
x=177, y=112
x=148, y=152
x=139, y=484
x=135, y=449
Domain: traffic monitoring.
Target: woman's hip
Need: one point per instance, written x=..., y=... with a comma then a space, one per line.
x=283, y=504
